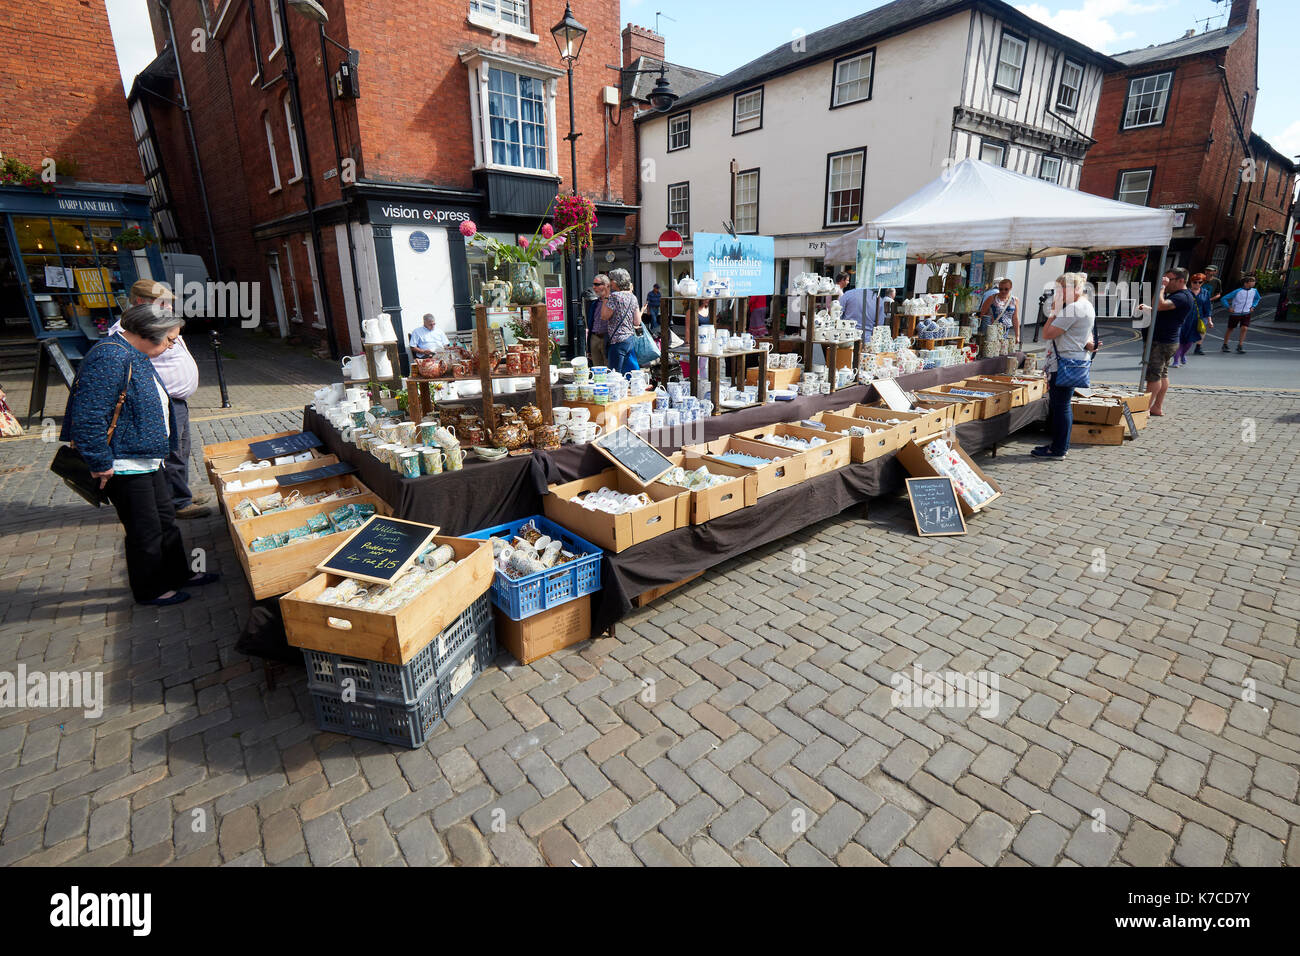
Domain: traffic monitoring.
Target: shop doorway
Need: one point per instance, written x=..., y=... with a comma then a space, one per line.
x=15, y=323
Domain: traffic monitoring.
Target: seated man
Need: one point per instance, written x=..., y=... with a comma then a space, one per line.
x=428, y=339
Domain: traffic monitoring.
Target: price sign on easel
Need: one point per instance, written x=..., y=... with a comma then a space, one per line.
x=934, y=507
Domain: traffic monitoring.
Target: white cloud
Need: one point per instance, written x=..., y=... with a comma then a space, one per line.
x=1090, y=23
x=132, y=36
x=1287, y=141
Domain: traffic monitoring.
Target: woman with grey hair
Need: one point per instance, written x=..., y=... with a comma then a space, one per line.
x=119, y=418
x=622, y=314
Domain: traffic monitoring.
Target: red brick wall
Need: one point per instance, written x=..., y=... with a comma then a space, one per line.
x=637, y=41
x=1188, y=168
x=414, y=108
x=63, y=95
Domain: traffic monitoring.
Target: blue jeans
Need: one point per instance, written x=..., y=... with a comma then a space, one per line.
x=1062, y=416
x=622, y=355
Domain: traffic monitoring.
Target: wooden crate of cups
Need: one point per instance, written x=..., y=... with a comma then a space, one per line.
x=996, y=404
x=883, y=440
x=389, y=637
x=1035, y=388
x=789, y=469
x=304, y=489
x=959, y=412
x=611, y=415
x=817, y=461
x=226, y=455
x=669, y=510
x=709, y=503
x=912, y=424
x=261, y=474
x=912, y=457
x=281, y=570
x=1017, y=393
x=1097, y=411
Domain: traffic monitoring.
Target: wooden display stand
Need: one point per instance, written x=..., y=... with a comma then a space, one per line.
x=420, y=401
x=612, y=415
x=693, y=353
x=394, y=352
x=850, y=357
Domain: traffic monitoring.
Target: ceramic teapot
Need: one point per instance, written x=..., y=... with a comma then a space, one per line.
x=510, y=436
x=432, y=367
x=530, y=415
x=687, y=287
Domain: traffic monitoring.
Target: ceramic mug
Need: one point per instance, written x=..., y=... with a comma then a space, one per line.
x=445, y=436
x=431, y=460
x=561, y=414
x=455, y=458
x=579, y=415
x=600, y=374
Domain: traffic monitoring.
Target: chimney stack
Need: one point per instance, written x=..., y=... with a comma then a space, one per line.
x=1243, y=11
x=639, y=41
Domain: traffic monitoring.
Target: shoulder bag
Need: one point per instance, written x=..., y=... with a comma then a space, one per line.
x=68, y=462
x=1070, y=372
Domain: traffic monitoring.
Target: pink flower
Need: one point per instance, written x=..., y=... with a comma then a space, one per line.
x=523, y=242
x=467, y=228
x=547, y=231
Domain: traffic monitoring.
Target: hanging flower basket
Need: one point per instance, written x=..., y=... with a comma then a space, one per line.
x=133, y=237
x=1132, y=258
x=578, y=214
x=1094, y=263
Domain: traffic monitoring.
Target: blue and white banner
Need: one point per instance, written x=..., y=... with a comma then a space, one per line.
x=881, y=264
x=726, y=267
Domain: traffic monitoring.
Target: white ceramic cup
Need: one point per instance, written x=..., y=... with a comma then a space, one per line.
x=561, y=414
x=579, y=415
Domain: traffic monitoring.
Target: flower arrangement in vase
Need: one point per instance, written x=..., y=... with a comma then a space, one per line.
x=523, y=256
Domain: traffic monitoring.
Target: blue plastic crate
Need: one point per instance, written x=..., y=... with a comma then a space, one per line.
x=521, y=598
x=402, y=684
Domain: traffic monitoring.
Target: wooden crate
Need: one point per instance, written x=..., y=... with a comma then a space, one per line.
x=1090, y=434
x=817, y=461
x=280, y=570
x=998, y=404
x=263, y=473
x=392, y=638
x=912, y=457
x=1097, y=413
x=914, y=424
x=709, y=503
x=641, y=600
x=776, y=377
x=950, y=413
x=612, y=415
x=236, y=450
x=884, y=439
x=1035, y=388
x=1019, y=394
x=306, y=488
x=552, y=630
x=790, y=470
x=671, y=510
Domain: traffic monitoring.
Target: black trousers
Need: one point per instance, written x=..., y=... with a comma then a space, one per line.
x=155, y=555
x=177, y=464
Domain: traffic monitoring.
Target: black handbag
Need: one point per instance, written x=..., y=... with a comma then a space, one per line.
x=69, y=464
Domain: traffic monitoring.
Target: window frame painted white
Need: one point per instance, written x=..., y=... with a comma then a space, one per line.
x=292, y=129
x=845, y=154
x=684, y=115
x=682, y=227
x=480, y=64
x=869, y=78
x=276, y=33
x=488, y=17
x=270, y=146
x=1050, y=158
x=1130, y=110
x=1077, y=88
x=735, y=111
x=998, y=62
x=1121, y=191
x=736, y=220
x=999, y=145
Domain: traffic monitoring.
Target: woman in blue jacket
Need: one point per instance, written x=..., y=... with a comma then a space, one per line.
x=129, y=467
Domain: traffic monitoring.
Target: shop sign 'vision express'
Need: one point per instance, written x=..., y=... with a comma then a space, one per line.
x=734, y=266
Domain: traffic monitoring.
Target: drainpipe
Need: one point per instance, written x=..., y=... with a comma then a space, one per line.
x=338, y=165
x=194, y=145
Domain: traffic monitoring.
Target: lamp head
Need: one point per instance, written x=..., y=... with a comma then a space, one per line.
x=662, y=96
x=569, y=34
x=310, y=9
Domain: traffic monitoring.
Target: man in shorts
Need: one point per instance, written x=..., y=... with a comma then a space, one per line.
x=1241, y=303
x=1175, y=304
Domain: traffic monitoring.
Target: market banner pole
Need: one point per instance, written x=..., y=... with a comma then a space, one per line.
x=1151, y=326
x=1024, y=311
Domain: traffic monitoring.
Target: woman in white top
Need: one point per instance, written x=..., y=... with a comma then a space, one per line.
x=1069, y=330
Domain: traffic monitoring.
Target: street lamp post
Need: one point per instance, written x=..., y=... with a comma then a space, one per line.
x=569, y=35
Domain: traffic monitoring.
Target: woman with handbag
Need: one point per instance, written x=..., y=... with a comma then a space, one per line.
x=622, y=314
x=1069, y=332
x=119, y=422
x=1194, y=326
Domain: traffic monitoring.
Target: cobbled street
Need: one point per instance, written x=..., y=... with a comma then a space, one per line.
x=1132, y=601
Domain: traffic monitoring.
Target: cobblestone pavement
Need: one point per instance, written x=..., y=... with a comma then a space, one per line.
x=1127, y=599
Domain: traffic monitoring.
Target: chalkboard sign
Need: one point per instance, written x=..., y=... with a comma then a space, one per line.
x=380, y=550
x=288, y=445
x=934, y=507
x=633, y=455
x=61, y=362
x=1128, y=420
x=316, y=474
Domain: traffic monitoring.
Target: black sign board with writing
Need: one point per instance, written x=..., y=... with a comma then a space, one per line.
x=288, y=445
x=633, y=455
x=48, y=352
x=380, y=550
x=61, y=362
x=934, y=507
x=316, y=474
x=1128, y=420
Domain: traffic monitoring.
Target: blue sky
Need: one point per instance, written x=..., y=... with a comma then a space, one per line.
x=722, y=35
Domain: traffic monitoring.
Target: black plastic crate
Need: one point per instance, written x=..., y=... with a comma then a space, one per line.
x=459, y=674
x=401, y=684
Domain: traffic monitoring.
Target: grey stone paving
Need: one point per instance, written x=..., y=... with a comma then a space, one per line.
x=1133, y=602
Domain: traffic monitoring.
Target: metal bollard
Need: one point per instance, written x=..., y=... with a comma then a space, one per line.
x=221, y=372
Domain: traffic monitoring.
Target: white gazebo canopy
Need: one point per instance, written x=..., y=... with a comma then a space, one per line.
x=977, y=206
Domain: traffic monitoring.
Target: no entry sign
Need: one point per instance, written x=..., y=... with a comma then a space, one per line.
x=670, y=244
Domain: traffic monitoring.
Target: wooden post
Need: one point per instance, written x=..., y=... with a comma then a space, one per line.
x=542, y=332
x=809, y=333
x=692, y=344
x=483, y=345
x=762, y=376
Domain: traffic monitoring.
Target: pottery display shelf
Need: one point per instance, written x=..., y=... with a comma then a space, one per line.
x=419, y=397
x=612, y=415
x=394, y=353
x=737, y=357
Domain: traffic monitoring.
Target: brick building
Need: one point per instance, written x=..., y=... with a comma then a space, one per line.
x=1173, y=131
x=460, y=111
x=64, y=117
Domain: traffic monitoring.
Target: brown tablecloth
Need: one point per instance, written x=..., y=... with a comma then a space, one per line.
x=485, y=494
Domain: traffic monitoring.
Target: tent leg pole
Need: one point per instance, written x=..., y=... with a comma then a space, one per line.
x=1023, y=314
x=1151, y=329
